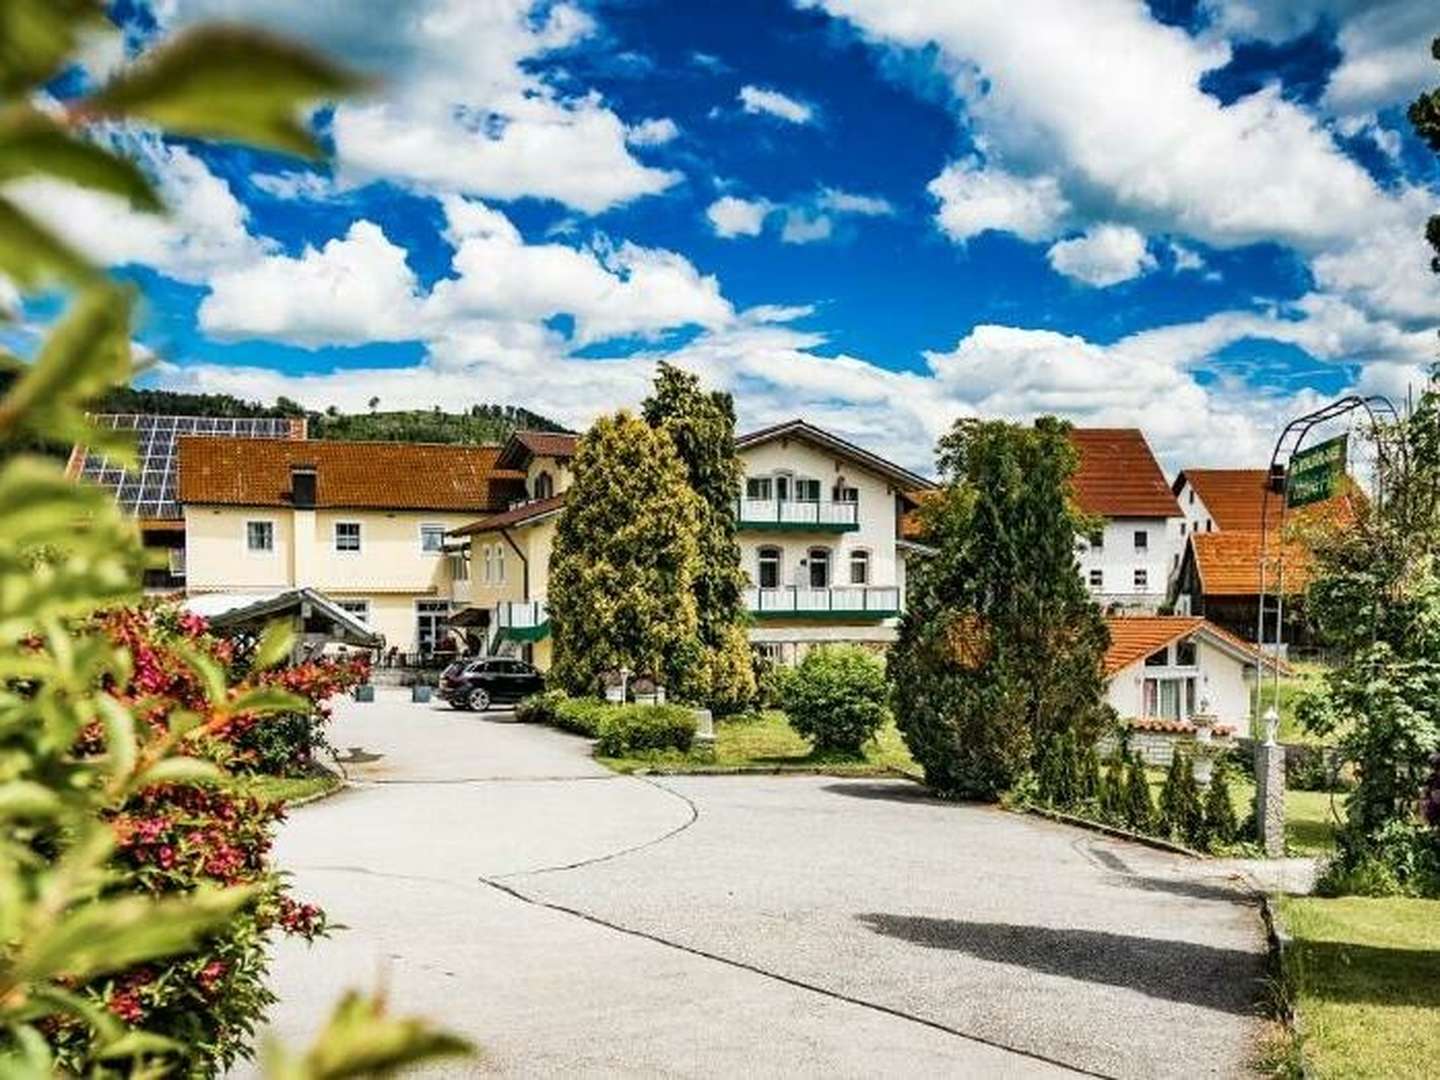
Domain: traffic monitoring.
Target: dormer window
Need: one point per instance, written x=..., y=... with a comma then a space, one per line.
x=544, y=486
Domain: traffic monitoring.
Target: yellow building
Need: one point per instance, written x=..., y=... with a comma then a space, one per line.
x=510, y=550
x=362, y=522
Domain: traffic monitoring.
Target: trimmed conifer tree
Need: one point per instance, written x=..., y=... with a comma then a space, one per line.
x=1000, y=648
x=622, y=573
x=1139, y=810
x=1181, y=814
x=1222, y=825
x=1087, y=777
x=701, y=426
x=1112, y=789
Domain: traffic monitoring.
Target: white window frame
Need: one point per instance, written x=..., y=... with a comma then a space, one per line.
x=499, y=564
x=352, y=602
x=359, y=537
x=779, y=565
x=269, y=524
x=859, y=557
x=828, y=560
x=1141, y=578
x=459, y=566
x=810, y=484
x=431, y=526
x=759, y=488
x=1142, y=539
x=486, y=564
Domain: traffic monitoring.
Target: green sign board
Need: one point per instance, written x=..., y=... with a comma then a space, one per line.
x=1316, y=472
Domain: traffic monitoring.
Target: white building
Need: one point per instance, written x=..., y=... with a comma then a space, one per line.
x=820, y=538
x=1128, y=564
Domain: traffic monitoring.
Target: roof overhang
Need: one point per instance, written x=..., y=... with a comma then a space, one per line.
x=236, y=612
x=799, y=429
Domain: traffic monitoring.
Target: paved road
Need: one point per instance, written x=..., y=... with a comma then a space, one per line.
x=572, y=921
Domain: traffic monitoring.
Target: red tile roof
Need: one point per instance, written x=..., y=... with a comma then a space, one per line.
x=1119, y=476
x=1134, y=637
x=1233, y=497
x=516, y=515
x=1228, y=563
x=353, y=475
x=524, y=445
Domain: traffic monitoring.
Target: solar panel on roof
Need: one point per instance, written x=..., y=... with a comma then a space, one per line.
x=149, y=489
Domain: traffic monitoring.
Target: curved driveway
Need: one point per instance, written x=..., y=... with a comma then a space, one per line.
x=573, y=921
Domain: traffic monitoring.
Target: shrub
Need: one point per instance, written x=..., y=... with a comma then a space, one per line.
x=836, y=697
x=1181, y=815
x=541, y=708
x=626, y=729
x=1112, y=790
x=1221, y=825
x=1139, y=809
x=582, y=716
x=1057, y=780
x=1087, y=777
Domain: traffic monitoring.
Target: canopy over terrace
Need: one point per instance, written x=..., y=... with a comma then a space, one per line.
x=318, y=620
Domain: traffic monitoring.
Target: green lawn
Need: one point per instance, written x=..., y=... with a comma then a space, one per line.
x=1366, y=977
x=766, y=741
x=1309, y=823
x=287, y=788
x=1306, y=676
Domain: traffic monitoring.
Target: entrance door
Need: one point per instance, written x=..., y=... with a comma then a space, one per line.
x=431, y=618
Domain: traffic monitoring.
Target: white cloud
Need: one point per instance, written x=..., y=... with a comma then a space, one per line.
x=755, y=99
x=1103, y=255
x=846, y=202
x=655, y=132
x=353, y=289
x=460, y=109
x=206, y=229
x=730, y=216
x=803, y=227
x=1184, y=258
x=974, y=199
x=298, y=185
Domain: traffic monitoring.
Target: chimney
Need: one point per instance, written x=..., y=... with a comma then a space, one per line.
x=302, y=486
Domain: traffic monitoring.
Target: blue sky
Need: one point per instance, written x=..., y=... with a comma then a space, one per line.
x=1195, y=216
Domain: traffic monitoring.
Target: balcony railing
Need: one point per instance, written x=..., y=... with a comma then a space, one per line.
x=826, y=516
x=840, y=601
x=521, y=614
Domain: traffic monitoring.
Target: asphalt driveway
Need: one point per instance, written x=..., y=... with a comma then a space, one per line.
x=572, y=921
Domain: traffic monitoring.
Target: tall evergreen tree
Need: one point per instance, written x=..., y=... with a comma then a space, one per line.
x=622, y=573
x=1000, y=648
x=702, y=427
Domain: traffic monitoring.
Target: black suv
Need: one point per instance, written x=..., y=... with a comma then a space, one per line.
x=489, y=681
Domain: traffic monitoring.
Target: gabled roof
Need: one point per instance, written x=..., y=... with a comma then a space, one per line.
x=1119, y=476
x=524, y=514
x=1134, y=637
x=349, y=475
x=522, y=446
x=1228, y=563
x=903, y=478
x=240, y=611
x=1233, y=497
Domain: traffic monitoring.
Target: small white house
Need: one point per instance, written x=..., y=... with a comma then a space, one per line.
x=1165, y=669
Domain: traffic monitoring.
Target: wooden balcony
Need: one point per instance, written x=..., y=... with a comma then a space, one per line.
x=796, y=516
x=854, y=603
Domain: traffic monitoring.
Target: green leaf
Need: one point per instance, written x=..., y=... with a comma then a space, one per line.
x=275, y=645
x=179, y=770
x=36, y=36
x=27, y=799
x=227, y=82
x=135, y=1043
x=207, y=670
x=360, y=1040
x=32, y=1059
x=119, y=735
x=269, y=699
x=31, y=143
x=34, y=256
x=112, y=935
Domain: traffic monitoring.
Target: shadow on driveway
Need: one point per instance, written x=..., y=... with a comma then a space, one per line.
x=1214, y=978
x=896, y=790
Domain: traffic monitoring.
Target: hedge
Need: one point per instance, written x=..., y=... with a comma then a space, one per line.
x=616, y=729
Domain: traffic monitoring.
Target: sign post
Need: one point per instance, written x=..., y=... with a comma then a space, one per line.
x=1316, y=472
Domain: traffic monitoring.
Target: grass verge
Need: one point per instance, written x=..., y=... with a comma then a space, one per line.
x=1310, y=822
x=288, y=789
x=765, y=742
x=1363, y=973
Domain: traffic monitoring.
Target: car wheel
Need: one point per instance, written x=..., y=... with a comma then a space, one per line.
x=479, y=699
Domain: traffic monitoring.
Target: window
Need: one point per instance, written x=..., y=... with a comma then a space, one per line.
x=359, y=608
x=1169, y=699
x=769, y=567
x=1097, y=579
x=782, y=487
x=432, y=539
x=347, y=536
x=1185, y=654
x=769, y=652
x=1142, y=578
x=807, y=490
x=459, y=567
x=260, y=535
x=843, y=493
x=1182, y=528
x=1158, y=659
x=1142, y=540
x=1097, y=540
x=544, y=486
x=1209, y=525
x=499, y=565
x=1192, y=497
x=819, y=568
x=758, y=488
x=860, y=568
x=487, y=564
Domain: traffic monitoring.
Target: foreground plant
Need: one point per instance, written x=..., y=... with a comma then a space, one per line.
x=90, y=733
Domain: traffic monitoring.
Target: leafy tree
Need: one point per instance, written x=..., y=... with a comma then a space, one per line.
x=1000, y=647
x=702, y=427
x=836, y=697
x=622, y=573
x=78, y=753
x=1425, y=119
